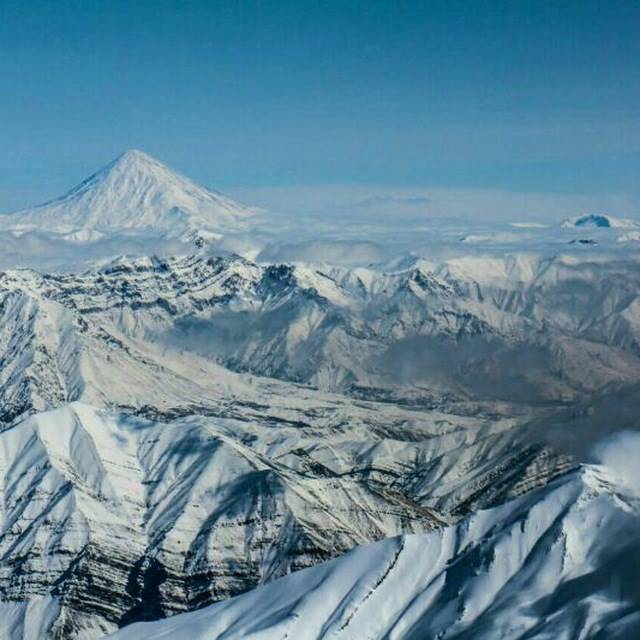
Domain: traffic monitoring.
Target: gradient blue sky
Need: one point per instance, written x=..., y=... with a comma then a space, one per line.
x=517, y=96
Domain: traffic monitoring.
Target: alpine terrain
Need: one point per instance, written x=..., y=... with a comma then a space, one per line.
x=204, y=445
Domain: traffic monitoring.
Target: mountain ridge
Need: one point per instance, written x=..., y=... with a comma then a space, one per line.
x=599, y=221
x=176, y=431
x=534, y=567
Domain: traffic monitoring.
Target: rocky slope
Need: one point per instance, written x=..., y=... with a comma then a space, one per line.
x=177, y=431
x=559, y=563
x=109, y=518
x=512, y=330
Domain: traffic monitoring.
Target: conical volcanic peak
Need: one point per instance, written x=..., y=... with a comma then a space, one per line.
x=135, y=192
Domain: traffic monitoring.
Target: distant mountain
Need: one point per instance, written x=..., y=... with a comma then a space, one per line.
x=600, y=221
x=134, y=193
x=557, y=563
x=421, y=334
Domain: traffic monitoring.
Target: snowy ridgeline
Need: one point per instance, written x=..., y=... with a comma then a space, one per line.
x=517, y=330
x=250, y=431
x=129, y=519
x=110, y=518
x=561, y=562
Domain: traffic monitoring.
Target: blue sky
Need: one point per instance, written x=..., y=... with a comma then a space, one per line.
x=248, y=96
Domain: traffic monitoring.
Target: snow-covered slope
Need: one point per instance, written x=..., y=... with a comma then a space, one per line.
x=557, y=564
x=161, y=446
x=107, y=517
x=135, y=193
x=421, y=335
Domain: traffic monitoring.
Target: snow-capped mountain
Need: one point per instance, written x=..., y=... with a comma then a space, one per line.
x=601, y=221
x=383, y=335
x=177, y=431
x=134, y=193
x=558, y=563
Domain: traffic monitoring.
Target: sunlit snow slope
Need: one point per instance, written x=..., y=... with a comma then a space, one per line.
x=108, y=518
x=558, y=564
x=174, y=432
x=133, y=193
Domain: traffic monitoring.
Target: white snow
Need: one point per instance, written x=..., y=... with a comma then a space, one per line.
x=133, y=193
x=224, y=422
x=501, y=573
x=240, y=500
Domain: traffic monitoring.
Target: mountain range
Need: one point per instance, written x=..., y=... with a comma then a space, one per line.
x=532, y=568
x=205, y=445
x=138, y=206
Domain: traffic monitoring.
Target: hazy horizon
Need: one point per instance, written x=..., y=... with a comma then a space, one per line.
x=265, y=100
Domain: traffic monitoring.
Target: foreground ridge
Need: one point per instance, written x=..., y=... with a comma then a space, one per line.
x=110, y=518
x=536, y=567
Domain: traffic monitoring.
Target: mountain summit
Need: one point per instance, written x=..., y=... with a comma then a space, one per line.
x=133, y=193
x=600, y=221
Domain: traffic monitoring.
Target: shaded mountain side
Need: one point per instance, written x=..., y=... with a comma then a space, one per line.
x=560, y=562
